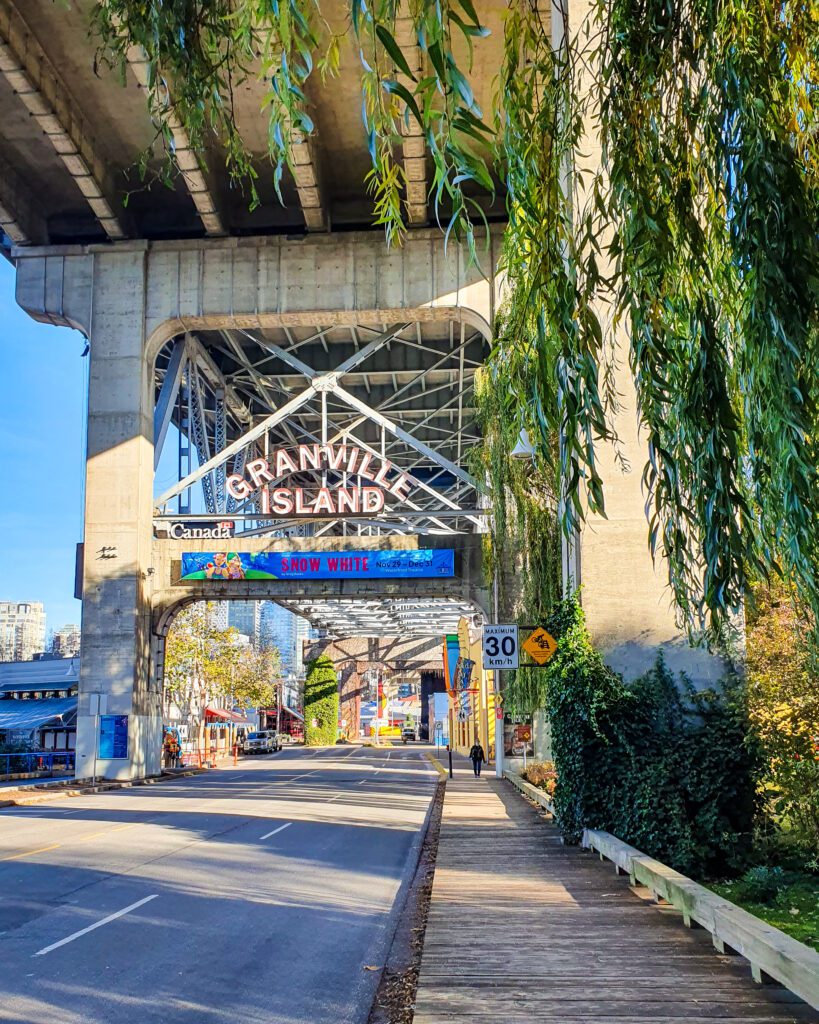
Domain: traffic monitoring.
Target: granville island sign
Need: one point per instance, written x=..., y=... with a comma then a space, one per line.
x=266, y=476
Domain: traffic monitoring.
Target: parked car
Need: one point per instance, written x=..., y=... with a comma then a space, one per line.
x=266, y=741
x=408, y=734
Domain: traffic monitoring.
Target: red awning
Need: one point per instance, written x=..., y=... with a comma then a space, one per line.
x=218, y=713
x=228, y=716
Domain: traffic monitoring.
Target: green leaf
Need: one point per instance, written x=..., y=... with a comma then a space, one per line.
x=394, y=50
x=392, y=86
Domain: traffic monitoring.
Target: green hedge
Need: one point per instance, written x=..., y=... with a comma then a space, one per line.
x=655, y=763
x=320, y=703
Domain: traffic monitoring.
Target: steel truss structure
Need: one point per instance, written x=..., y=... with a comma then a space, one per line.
x=401, y=392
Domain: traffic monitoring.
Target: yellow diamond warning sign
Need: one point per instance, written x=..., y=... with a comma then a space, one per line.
x=540, y=645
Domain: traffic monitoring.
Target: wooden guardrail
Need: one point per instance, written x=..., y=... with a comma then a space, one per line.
x=770, y=951
x=534, y=794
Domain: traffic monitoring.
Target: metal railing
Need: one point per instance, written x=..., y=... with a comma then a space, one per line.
x=59, y=762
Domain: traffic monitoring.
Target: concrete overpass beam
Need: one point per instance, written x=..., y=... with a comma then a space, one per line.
x=36, y=82
x=413, y=146
x=20, y=216
x=192, y=167
x=307, y=175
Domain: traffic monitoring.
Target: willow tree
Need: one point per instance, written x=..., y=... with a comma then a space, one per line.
x=704, y=206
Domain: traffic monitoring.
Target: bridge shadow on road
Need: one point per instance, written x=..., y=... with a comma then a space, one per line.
x=267, y=900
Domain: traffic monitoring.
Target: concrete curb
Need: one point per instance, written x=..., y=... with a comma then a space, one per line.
x=47, y=793
x=436, y=764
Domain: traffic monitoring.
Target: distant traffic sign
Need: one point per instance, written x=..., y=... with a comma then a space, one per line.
x=500, y=646
x=540, y=645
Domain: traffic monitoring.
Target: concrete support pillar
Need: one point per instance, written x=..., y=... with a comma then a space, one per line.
x=116, y=647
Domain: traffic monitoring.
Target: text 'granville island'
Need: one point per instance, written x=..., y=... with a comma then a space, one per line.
x=337, y=500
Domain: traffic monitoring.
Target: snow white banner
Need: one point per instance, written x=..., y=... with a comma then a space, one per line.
x=427, y=563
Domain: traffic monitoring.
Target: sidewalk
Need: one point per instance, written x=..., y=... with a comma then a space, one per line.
x=20, y=783
x=524, y=929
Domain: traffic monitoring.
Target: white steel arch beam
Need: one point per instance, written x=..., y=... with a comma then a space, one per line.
x=200, y=432
x=238, y=445
x=408, y=438
x=163, y=411
x=327, y=383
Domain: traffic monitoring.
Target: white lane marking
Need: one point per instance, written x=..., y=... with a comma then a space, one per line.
x=93, y=927
x=332, y=798
x=363, y=781
x=275, y=830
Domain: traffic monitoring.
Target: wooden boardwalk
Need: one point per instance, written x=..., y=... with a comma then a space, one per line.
x=524, y=929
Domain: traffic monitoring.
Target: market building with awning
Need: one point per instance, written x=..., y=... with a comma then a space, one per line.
x=38, y=703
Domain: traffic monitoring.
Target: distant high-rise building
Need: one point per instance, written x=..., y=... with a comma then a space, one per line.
x=217, y=613
x=304, y=631
x=22, y=630
x=65, y=642
x=245, y=616
x=282, y=629
x=277, y=630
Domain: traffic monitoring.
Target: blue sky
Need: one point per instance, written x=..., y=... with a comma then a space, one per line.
x=41, y=457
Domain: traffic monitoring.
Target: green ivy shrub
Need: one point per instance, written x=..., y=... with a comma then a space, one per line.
x=760, y=884
x=660, y=766
x=320, y=703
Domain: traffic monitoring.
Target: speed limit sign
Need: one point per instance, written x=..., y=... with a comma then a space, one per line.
x=500, y=646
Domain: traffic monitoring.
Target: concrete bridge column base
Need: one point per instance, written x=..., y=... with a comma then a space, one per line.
x=115, y=660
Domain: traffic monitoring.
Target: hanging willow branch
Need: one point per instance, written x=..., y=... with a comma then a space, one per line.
x=696, y=231
x=713, y=197
x=550, y=322
x=199, y=51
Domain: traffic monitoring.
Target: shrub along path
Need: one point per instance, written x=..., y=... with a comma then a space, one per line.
x=524, y=929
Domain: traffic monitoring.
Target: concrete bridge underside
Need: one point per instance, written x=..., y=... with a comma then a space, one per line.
x=187, y=290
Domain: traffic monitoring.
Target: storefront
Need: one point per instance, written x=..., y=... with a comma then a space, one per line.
x=221, y=732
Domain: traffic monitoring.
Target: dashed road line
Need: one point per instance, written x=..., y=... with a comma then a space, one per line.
x=281, y=828
x=107, y=831
x=93, y=927
x=30, y=853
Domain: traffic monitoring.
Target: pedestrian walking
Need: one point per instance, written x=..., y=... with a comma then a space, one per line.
x=477, y=757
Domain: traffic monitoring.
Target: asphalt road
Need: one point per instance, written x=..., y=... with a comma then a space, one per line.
x=253, y=894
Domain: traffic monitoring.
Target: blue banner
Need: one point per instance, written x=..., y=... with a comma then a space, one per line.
x=427, y=563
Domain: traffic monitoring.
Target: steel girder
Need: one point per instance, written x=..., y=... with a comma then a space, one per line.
x=417, y=410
